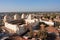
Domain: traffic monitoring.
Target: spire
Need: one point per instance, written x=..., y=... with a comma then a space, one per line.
x=22, y=16
x=5, y=18
x=29, y=17
x=16, y=17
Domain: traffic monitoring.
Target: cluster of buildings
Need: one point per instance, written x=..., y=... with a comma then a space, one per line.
x=13, y=23
x=17, y=24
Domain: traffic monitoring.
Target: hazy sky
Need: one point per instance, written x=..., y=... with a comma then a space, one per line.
x=29, y=5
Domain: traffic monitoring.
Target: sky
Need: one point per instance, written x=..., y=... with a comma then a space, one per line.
x=29, y=5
